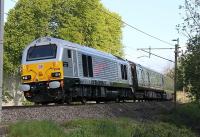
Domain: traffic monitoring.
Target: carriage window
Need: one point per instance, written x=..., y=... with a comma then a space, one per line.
x=41, y=52
x=87, y=66
x=69, y=53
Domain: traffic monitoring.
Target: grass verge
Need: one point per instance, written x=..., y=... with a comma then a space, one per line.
x=35, y=129
x=97, y=128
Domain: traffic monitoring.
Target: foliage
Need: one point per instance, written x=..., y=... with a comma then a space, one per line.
x=6, y=96
x=97, y=128
x=25, y=102
x=191, y=17
x=160, y=130
x=191, y=68
x=170, y=73
x=80, y=21
x=190, y=61
x=187, y=115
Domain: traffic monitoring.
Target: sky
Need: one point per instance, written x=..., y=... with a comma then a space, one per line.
x=156, y=17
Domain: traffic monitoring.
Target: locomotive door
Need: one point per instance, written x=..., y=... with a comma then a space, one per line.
x=134, y=76
x=68, y=63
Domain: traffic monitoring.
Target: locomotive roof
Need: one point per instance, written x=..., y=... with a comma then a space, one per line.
x=60, y=42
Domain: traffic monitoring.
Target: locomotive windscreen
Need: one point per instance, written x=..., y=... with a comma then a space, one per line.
x=41, y=52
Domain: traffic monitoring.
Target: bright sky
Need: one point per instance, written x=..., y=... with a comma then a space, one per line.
x=156, y=17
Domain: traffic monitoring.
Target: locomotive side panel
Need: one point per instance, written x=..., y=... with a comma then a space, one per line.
x=104, y=70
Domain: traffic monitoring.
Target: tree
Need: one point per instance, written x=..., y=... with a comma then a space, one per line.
x=191, y=67
x=169, y=72
x=191, y=19
x=80, y=21
x=190, y=61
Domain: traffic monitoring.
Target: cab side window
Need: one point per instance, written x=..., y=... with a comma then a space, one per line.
x=69, y=53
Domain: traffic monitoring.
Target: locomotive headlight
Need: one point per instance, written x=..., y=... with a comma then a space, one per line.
x=28, y=77
x=56, y=74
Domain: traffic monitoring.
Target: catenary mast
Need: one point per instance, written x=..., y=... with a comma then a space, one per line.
x=1, y=52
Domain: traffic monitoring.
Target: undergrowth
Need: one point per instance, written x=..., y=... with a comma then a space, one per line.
x=187, y=115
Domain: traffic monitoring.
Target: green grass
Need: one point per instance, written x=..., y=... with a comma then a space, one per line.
x=161, y=130
x=100, y=128
x=97, y=128
x=35, y=129
x=124, y=128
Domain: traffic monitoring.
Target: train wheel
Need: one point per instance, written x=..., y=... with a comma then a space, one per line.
x=117, y=100
x=97, y=101
x=60, y=102
x=36, y=103
x=69, y=100
x=44, y=103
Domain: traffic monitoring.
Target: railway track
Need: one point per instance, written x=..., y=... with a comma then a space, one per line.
x=61, y=113
x=40, y=106
x=52, y=105
x=36, y=106
x=31, y=106
x=62, y=105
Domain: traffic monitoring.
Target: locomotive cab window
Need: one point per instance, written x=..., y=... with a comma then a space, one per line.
x=41, y=52
x=69, y=53
x=87, y=66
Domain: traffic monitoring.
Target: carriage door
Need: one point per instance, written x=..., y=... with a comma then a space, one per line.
x=140, y=76
x=68, y=63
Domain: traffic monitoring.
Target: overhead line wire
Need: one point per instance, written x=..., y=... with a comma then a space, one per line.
x=135, y=28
